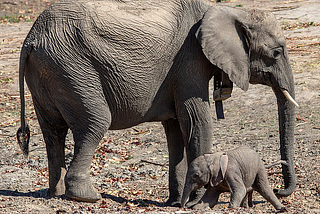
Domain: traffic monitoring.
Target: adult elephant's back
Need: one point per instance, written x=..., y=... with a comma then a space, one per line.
x=127, y=49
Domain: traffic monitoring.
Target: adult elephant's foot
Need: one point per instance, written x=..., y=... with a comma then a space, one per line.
x=173, y=202
x=81, y=190
x=57, y=186
x=59, y=189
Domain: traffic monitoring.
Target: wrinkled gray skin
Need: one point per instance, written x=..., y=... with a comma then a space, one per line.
x=94, y=66
x=239, y=171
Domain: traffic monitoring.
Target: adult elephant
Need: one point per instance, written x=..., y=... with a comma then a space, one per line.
x=94, y=66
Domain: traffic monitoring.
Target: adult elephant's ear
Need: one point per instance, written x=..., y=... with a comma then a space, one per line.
x=225, y=42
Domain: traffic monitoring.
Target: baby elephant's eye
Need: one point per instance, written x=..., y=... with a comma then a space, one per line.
x=195, y=176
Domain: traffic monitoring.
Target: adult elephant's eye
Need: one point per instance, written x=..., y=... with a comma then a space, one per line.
x=277, y=53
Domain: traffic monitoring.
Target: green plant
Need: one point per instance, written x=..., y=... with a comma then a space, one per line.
x=16, y=18
x=6, y=80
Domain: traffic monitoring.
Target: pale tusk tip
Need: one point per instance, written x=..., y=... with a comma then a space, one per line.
x=289, y=98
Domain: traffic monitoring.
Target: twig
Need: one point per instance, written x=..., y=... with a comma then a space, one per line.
x=157, y=164
x=18, y=96
x=276, y=163
x=137, y=130
x=36, y=133
x=308, y=44
x=308, y=136
x=37, y=148
x=14, y=154
x=299, y=124
x=31, y=150
x=8, y=135
x=9, y=122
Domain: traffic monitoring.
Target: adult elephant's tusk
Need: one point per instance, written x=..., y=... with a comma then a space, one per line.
x=288, y=96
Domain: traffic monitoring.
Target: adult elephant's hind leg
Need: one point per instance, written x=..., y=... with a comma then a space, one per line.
x=89, y=119
x=54, y=130
x=177, y=161
x=78, y=183
x=55, y=143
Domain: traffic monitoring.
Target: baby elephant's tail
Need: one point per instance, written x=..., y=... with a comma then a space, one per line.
x=23, y=133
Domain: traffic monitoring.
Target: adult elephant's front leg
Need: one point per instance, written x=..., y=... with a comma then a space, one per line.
x=196, y=125
x=177, y=161
x=188, y=137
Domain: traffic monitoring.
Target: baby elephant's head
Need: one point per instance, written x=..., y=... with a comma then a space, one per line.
x=206, y=169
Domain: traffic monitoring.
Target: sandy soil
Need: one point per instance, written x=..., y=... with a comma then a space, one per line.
x=130, y=166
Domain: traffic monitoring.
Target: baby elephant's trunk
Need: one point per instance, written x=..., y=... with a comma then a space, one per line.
x=188, y=188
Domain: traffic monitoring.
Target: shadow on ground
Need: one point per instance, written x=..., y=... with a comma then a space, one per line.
x=35, y=194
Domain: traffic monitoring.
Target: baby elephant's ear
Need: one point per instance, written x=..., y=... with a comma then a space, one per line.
x=218, y=176
x=223, y=164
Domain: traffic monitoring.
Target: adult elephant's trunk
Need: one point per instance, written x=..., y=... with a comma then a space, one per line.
x=286, y=113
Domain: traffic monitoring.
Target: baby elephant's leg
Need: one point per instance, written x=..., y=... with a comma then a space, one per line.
x=210, y=198
x=247, y=201
x=238, y=192
x=250, y=203
x=263, y=187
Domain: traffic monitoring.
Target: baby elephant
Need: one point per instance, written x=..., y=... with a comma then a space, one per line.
x=239, y=171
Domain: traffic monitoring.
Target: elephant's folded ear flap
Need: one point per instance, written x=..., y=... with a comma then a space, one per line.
x=224, y=43
x=219, y=176
x=223, y=164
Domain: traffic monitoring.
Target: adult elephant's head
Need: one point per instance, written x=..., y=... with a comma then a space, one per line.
x=249, y=46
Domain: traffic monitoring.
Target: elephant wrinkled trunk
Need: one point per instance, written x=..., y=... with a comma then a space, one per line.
x=188, y=188
x=286, y=114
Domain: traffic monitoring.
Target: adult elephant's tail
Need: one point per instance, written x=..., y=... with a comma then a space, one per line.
x=23, y=133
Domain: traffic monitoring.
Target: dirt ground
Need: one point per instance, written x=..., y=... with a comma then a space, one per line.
x=130, y=166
